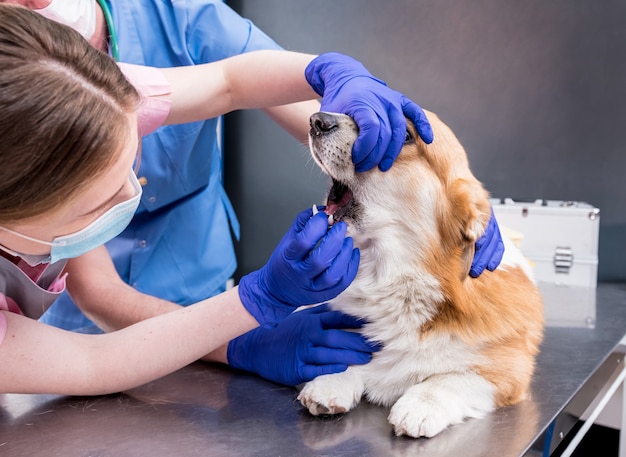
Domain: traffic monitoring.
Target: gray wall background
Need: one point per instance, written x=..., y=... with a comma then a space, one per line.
x=535, y=91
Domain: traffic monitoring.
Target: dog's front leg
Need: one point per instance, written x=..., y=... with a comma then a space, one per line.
x=428, y=408
x=333, y=393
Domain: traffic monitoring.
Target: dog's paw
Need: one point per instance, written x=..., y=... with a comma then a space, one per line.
x=416, y=417
x=428, y=408
x=332, y=394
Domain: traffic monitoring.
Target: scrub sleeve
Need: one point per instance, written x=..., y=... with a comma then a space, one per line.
x=152, y=85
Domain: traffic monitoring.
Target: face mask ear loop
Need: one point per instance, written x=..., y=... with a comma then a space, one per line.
x=26, y=237
x=112, y=33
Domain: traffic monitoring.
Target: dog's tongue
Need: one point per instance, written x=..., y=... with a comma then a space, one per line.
x=339, y=201
x=331, y=208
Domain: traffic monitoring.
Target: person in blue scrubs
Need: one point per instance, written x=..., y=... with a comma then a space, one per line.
x=179, y=246
x=163, y=253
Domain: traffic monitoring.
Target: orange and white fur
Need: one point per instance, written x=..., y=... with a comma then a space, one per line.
x=453, y=347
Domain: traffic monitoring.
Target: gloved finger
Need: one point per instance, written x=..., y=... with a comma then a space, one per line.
x=398, y=128
x=305, y=240
x=479, y=262
x=331, y=356
x=374, y=136
x=296, y=226
x=330, y=246
x=489, y=249
x=483, y=252
x=496, y=245
x=496, y=257
x=490, y=252
x=310, y=372
x=419, y=119
x=343, y=339
x=477, y=268
x=301, y=219
x=337, y=319
x=342, y=271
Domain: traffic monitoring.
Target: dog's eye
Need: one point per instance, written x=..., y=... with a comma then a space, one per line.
x=408, y=136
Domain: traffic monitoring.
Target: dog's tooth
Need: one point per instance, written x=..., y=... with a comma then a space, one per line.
x=315, y=210
x=331, y=220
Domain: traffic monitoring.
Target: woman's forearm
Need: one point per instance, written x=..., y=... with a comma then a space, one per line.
x=99, y=292
x=77, y=364
x=259, y=79
x=294, y=118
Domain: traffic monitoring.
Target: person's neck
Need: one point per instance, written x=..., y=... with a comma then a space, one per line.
x=100, y=39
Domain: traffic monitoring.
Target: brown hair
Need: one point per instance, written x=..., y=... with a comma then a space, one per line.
x=63, y=107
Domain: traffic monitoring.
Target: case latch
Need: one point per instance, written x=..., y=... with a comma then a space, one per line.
x=563, y=259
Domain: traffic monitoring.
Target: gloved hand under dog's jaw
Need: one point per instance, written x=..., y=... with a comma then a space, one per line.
x=307, y=344
x=313, y=263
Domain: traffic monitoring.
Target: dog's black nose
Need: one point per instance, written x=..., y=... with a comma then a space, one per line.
x=322, y=123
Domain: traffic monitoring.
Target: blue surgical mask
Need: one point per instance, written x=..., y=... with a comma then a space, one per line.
x=103, y=229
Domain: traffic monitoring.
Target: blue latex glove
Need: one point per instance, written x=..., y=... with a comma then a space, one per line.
x=312, y=264
x=380, y=112
x=306, y=344
x=488, y=249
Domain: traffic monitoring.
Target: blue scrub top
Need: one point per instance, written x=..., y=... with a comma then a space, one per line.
x=179, y=245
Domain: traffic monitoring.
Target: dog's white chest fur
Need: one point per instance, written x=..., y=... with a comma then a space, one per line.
x=409, y=372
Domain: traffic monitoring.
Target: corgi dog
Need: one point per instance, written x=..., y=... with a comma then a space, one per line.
x=453, y=347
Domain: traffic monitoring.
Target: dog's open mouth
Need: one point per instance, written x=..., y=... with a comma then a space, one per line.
x=339, y=201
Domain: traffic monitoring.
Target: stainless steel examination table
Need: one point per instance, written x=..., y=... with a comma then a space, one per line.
x=206, y=410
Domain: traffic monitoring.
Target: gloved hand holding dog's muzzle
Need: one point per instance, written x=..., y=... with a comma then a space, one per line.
x=312, y=264
x=380, y=112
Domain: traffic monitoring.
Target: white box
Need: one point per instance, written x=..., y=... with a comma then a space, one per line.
x=560, y=238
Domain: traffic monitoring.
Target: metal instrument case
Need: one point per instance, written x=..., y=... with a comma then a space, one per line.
x=560, y=238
